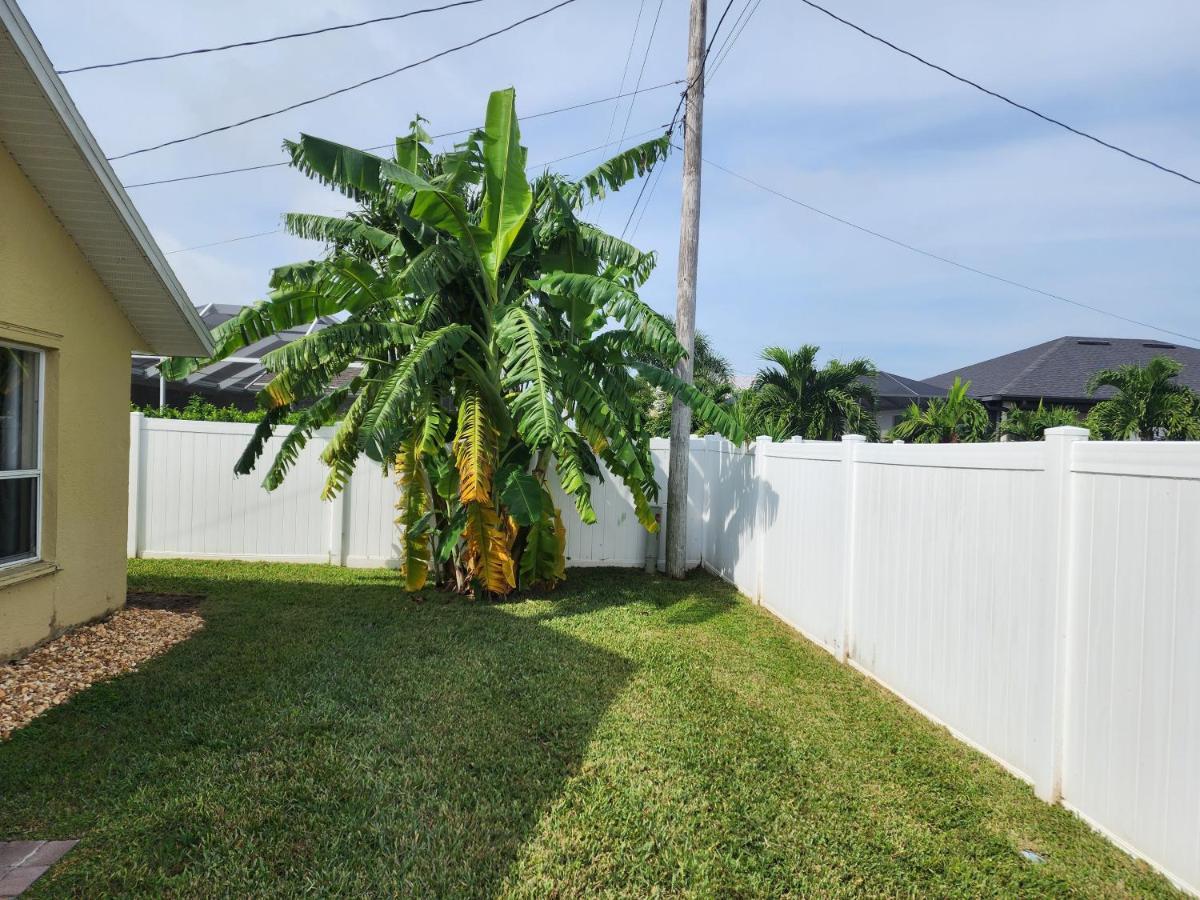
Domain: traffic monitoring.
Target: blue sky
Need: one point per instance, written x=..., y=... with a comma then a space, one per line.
x=802, y=104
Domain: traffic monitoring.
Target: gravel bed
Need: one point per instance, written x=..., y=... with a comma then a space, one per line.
x=55, y=671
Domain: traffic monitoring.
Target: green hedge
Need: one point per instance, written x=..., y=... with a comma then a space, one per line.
x=200, y=410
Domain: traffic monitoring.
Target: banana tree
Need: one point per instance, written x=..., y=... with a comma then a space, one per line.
x=487, y=335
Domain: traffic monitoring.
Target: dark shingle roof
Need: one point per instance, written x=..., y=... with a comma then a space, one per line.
x=1060, y=369
x=888, y=386
x=229, y=375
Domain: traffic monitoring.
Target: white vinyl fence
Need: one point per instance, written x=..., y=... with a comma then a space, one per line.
x=1041, y=600
x=186, y=503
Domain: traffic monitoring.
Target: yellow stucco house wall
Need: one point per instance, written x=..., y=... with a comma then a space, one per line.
x=81, y=286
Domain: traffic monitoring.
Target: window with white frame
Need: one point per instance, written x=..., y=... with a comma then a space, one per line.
x=21, y=372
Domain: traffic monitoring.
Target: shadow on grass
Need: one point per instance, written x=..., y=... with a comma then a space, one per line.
x=336, y=738
x=697, y=599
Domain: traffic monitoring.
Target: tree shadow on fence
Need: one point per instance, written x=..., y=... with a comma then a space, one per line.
x=741, y=506
x=331, y=738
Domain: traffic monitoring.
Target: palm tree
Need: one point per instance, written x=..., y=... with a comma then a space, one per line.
x=795, y=397
x=955, y=419
x=490, y=333
x=1148, y=404
x=1031, y=425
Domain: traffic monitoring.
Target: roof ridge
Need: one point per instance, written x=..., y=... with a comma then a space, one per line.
x=1051, y=346
x=896, y=380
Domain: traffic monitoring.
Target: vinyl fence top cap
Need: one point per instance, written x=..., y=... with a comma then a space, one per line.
x=853, y=439
x=1068, y=431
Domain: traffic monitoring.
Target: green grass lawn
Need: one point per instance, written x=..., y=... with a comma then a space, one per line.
x=625, y=736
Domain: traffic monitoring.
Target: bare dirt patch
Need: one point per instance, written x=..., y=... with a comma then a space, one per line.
x=91, y=653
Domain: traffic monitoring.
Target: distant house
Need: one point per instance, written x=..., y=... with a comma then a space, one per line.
x=82, y=283
x=234, y=381
x=894, y=394
x=1058, y=371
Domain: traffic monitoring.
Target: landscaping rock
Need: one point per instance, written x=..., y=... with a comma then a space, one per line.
x=83, y=656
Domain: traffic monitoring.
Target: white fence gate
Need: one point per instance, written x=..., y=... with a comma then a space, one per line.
x=1041, y=600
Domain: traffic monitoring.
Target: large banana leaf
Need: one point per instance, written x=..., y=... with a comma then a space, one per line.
x=354, y=173
x=617, y=301
x=507, y=198
x=531, y=374
x=716, y=416
x=613, y=174
x=412, y=505
x=522, y=495
x=475, y=449
x=488, y=554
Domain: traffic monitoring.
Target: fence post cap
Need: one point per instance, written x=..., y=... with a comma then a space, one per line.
x=763, y=439
x=897, y=442
x=797, y=439
x=853, y=439
x=1068, y=431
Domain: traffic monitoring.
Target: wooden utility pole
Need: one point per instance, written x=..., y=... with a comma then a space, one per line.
x=685, y=292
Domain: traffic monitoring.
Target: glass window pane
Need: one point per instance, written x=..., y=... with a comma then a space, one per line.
x=18, y=519
x=18, y=408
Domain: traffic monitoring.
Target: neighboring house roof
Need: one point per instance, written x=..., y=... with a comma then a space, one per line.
x=1060, y=369
x=897, y=388
x=242, y=372
x=44, y=133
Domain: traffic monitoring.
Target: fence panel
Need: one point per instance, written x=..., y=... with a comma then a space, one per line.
x=802, y=513
x=1038, y=599
x=732, y=523
x=192, y=505
x=1132, y=744
x=954, y=604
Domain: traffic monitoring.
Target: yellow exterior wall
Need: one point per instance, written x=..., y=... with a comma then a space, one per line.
x=50, y=298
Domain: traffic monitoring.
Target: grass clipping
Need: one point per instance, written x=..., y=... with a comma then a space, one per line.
x=54, y=672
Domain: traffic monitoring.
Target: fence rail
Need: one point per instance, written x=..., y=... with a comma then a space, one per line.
x=1040, y=600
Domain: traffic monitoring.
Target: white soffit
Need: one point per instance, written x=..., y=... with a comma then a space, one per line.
x=44, y=133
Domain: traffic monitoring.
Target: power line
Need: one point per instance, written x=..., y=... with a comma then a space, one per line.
x=637, y=24
x=998, y=96
x=735, y=33
x=671, y=127
x=244, y=237
x=269, y=40
x=707, y=50
x=549, y=162
x=642, y=70
x=445, y=134
x=597, y=148
x=945, y=259
x=732, y=30
x=646, y=205
x=343, y=90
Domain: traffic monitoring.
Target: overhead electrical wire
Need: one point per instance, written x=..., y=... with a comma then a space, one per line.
x=346, y=89
x=244, y=237
x=945, y=259
x=735, y=32
x=642, y=69
x=269, y=40
x=732, y=30
x=537, y=115
x=675, y=117
x=549, y=162
x=637, y=24
x=646, y=205
x=1001, y=97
